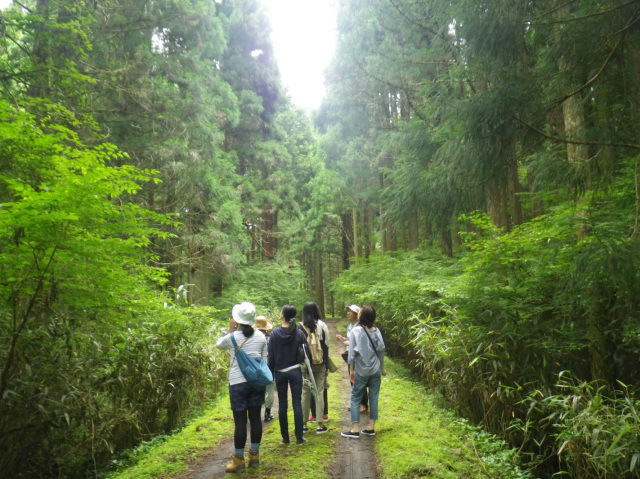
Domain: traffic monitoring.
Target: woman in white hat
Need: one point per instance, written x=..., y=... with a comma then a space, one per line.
x=246, y=402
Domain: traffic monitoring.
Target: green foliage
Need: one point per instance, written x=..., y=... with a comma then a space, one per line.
x=269, y=286
x=91, y=360
x=585, y=417
x=557, y=293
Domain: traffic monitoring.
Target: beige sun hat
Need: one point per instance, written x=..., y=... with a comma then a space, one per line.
x=263, y=324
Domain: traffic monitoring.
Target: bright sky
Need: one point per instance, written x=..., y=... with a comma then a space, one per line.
x=304, y=39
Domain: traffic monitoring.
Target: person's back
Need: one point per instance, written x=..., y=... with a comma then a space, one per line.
x=366, y=354
x=283, y=347
x=369, y=348
x=283, y=361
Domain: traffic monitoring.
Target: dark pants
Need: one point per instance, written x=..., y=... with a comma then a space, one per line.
x=326, y=403
x=240, y=433
x=246, y=403
x=284, y=380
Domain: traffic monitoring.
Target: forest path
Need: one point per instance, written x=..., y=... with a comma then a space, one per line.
x=352, y=458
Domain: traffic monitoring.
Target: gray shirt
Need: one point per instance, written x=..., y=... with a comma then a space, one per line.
x=367, y=358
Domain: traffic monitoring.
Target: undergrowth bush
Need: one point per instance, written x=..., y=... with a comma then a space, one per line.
x=493, y=329
x=77, y=405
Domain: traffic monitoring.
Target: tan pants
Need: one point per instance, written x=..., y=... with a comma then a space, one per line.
x=320, y=375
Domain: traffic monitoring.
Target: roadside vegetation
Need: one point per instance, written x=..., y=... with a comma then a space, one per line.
x=502, y=332
x=415, y=437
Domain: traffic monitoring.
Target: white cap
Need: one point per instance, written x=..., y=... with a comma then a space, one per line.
x=354, y=307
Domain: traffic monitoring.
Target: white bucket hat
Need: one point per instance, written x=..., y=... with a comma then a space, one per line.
x=355, y=308
x=244, y=313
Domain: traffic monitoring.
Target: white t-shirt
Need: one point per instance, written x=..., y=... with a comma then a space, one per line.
x=256, y=346
x=322, y=326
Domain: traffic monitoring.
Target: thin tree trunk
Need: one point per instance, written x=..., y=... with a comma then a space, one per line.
x=346, y=233
x=319, y=277
x=366, y=238
x=268, y=251
x=445, y=242
x=414, y=233
x=357, y=242
x=199, y=286
x=514, y=189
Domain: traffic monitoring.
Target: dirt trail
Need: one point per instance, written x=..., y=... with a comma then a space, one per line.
x=353, y=458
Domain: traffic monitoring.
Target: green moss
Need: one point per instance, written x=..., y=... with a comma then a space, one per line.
x=169, y=458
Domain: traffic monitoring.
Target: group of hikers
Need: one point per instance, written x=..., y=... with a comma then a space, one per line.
x=298, y=357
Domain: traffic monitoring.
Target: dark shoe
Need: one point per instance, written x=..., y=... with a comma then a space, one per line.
x=254, y=459
x=368, y=432
x=268, y=418
x=300, y=441
x=353, y=435
x=305, y=428
x=321, y=429
x=285, y=441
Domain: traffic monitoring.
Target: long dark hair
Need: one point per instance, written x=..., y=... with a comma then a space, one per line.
x=310, y=316
x=247, y=330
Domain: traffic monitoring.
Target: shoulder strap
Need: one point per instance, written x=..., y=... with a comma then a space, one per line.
x=235, y=345
x=305, y=330
x=370, y=340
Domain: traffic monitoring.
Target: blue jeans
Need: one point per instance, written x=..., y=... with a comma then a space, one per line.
x=371, y=382
x=293, y=379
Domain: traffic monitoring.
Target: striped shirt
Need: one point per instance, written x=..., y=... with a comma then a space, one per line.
x=256, y=346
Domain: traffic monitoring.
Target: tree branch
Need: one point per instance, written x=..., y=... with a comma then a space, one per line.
x=606, y=61
x=573, y=142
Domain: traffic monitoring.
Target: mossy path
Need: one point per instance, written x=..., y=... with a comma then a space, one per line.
x=415, y=438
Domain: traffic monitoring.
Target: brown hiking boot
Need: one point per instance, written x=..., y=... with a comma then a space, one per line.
x=236, y=464
x=254, y=459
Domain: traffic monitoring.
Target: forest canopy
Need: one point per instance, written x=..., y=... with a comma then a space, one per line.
x=472, y=173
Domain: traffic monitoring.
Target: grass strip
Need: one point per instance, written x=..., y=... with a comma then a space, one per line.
x=168, y=458
x=416, y=437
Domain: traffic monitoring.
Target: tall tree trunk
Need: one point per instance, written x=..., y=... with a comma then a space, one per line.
x=347, y=239
x=268, y=249
x=319, y=277
x=366, y=237
x=574, y=128
x=41, y=53
x=392, y=234
x=414, y=233
x=497, y=205
x=445, y=242
x=199, y=286
x=514, y=188
x=602, y=348
x=357, y=237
